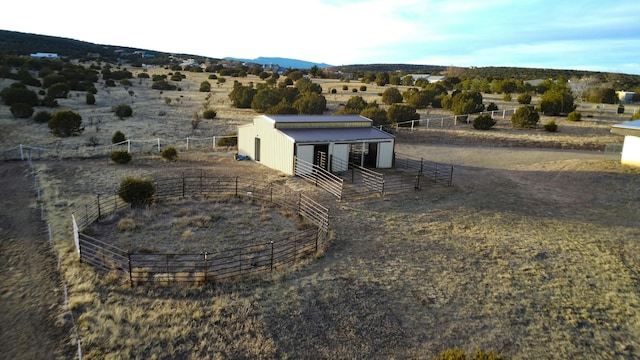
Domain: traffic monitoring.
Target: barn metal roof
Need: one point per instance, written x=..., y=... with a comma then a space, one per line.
x=316, y=118
x=336, y=135
x=627, y=128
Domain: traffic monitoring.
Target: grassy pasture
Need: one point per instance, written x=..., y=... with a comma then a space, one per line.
x=532, y=253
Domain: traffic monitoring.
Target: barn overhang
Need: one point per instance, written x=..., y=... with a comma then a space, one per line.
x=343, y=135
x=629, y=128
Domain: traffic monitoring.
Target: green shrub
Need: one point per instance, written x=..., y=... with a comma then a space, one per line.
x=636, y=116
x=525, y=117
x=170, y=153
x=230, y=140
x=345, y=87
x=551, y=126
x=492, y=106
x=205, y=86
x=65, y=123
x=90, y=99
x=574, y=116
x=122, y=111
x=483, y=122
x=506, y=97
x=121, y=156
x=118, y=137
x=136, y=191
x=42, y=116
x=524, y=99
x=620, y=109
x=363, y=88
x=143, y=75
x=18, y=93
x=21, y=110
x=209, y=114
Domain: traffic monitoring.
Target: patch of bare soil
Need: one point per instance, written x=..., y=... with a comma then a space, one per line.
x=533, y=260
x=30, y=293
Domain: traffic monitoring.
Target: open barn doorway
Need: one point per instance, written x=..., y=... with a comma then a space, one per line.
x=320, y=154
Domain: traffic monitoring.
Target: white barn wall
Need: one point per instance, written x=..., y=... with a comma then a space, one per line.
x=246, y=135
x=340, y=154
x=385, y=155
x=631, y=151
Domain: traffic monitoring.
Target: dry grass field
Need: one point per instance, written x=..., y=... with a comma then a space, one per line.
x=531, y=253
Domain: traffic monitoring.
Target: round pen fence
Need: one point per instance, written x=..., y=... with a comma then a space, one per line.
x=209, y=265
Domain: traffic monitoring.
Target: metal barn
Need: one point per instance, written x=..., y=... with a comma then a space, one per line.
x=631, y=145
x=327, y=141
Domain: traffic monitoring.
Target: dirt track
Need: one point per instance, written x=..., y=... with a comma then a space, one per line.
x=30, y=294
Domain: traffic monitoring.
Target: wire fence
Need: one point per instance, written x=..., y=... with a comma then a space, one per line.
x=210, y=265
x=50, y=234
x=133, y=146
x=450, y=121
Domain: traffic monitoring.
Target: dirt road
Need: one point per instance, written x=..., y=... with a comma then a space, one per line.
x=30, y=291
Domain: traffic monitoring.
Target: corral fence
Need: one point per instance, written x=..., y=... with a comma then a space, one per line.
x=206, y=266
x=441, y=174
x=613, y=151
x=320, y=177
x=450, y=121
x=133, y=146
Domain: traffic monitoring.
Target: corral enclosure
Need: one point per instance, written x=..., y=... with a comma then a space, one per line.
x=531, y=253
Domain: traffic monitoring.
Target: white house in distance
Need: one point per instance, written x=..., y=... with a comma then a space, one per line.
x=631, y=145
x=329, y=141
x=44, y=55
x=625, y=97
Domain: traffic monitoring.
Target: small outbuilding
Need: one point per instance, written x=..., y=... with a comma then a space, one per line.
x=631, y=145
x=328, y=141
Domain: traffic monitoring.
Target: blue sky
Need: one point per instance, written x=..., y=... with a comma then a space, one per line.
x=572, y=34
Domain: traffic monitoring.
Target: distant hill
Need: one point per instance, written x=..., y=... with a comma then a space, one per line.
x=18, y=43
x=282, y=62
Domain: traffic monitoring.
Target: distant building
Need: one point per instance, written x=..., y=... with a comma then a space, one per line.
x=631, y=145
x=44, y=55
x=625, y=97
x=430, y=78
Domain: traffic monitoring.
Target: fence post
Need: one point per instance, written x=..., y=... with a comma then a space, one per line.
x=128, y=146
x=205, y=266
x=187, y=143
x=417, y=186
x=99, y=212
x=455, y=120
x=451, y=176
x=412, y=121
x=214, y=143
x=421, y=171
x=271, y=255
x=129, y=264
x=158, y=144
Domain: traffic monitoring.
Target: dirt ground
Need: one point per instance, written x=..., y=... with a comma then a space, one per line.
x=530, y=251
x=30, y=287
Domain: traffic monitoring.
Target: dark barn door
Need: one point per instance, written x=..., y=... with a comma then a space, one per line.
x=257, y=150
